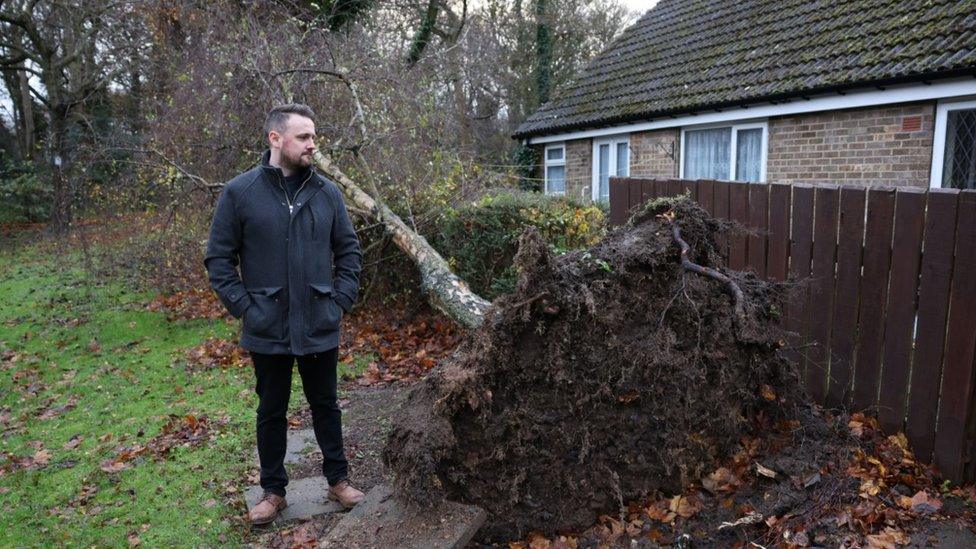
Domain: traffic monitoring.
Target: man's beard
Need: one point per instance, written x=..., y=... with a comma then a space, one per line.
x=295, y=164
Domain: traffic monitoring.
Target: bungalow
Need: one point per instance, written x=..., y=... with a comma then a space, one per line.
x=872, y=92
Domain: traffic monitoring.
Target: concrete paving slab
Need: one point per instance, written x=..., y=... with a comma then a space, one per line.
x=381, y=522
x=300, y=442
x=306, y=498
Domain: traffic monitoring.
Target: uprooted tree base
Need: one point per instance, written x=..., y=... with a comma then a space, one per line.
x=607, y=375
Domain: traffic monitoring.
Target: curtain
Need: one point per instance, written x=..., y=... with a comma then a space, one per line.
x=748, y=157
x=604, y=173
x=556, y=180
x=707, y=153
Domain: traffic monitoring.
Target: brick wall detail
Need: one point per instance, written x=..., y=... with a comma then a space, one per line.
x=655, y=154
x=872, y=146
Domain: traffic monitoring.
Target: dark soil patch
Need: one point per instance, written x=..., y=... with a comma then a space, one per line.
x=608, y=375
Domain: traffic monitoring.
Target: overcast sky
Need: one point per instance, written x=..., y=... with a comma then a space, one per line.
x=640, y=5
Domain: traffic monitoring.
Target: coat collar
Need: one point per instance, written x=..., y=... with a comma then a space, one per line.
x=276, y=172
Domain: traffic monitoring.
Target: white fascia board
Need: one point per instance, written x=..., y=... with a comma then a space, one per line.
x=873, y=98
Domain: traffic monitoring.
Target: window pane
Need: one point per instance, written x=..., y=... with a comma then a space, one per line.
x=748, y=157
x=707, y=154
x=959, y=162
x=555, y=153
x=622, y=160
x=556, y=180
x=604, y=172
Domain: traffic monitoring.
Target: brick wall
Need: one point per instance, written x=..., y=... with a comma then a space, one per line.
x=655, y=153
x=889, y=145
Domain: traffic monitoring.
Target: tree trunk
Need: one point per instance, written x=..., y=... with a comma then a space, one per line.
x=61, y=211
x=444, y=289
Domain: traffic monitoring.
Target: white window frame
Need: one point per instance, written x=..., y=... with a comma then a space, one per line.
x=546, y=163
x=733, y=152
x=938, y=141
x=612, y=141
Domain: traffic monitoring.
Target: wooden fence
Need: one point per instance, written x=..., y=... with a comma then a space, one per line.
x=887, y=320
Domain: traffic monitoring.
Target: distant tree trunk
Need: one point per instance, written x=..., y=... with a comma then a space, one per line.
x=61, y=212
x=422, y=37
x=460, y=99
x=444, y=289
x=543, y=51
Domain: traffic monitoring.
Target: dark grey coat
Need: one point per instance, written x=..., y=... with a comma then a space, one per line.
x=289, y=295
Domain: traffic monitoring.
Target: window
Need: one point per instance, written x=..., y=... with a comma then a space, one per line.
x=736, y=152
x=611, y=158
x=555, y=167
x=954, y=146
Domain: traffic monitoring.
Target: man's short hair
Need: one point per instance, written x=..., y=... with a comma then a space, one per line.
x=278, y=116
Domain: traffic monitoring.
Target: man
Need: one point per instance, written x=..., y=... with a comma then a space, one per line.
x=286, y=227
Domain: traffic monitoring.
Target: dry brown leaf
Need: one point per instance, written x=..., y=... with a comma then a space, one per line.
x=41, y=458
x=686, y=507
x=768, y=393
x=765, y=471
x=924, y=504
x=721, y=480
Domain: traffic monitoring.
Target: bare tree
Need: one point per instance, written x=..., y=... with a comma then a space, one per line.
x=65, y=46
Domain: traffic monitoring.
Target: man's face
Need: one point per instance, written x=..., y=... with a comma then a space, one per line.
x=295, y=143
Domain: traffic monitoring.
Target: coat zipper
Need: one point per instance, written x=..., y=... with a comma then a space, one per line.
x=281, y=183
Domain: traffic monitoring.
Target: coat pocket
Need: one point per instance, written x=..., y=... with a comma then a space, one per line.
x=264, y=318
x=325, y=313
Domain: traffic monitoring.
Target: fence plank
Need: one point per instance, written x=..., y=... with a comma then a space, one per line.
x=661, y=188
x=779, y=232
x=720, y=201
x=738, y=211
x=619, y=201
x=956, y=403
x=821, y=290
x=844, y=327
x=691, y=187
x=705, y=196
x=636, y=190
x=758, y=214
x=676, y=187
x=647, y=192
x=801, y=244
x=874, y=286
x=933, y=308
x=900, y=319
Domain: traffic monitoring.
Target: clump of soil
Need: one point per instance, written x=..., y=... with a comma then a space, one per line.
x=609, y=374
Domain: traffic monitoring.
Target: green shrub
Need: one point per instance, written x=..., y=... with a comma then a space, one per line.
x=23, y=195
x=480, y=239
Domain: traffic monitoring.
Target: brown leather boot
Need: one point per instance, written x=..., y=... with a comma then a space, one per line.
x=267, y=509
x=345, y=494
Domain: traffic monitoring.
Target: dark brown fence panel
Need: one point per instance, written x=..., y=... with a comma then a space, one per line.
x=758, y=215
x=738, y=211
x=661, y=188
x=801, y=244
x=956, y=402
x=933, y=308
x=647, y=191
x=779, y=232
x=874, y=289
x=820, y=306
x=720, y=198
x=900, y=317
x=619, y=200
x=676, y=187
x=705, y=196
x=636, y=195
x=844, y=328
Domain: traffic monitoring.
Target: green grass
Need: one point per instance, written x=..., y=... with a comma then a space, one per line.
x=125, y=367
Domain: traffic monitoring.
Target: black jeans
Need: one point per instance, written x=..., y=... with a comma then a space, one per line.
x=318, y=371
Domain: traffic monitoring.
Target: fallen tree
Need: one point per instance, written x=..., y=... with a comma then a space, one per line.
x=444, y=289
x=610, y=373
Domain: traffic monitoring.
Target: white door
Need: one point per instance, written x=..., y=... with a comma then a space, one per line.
x=611, y=158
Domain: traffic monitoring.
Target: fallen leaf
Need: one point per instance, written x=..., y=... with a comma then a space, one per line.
x=41, y=457
x=113, y=466
x=768, y=393
x=73, y=442
x=721, y=480
x=685, y=506
x=924, y=504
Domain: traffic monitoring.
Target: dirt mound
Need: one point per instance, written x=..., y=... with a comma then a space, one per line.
x=608, y=374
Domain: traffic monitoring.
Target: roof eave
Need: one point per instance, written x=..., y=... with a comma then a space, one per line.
x=920, y=78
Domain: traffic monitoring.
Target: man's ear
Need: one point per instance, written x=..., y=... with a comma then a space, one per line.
x=274, y=139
